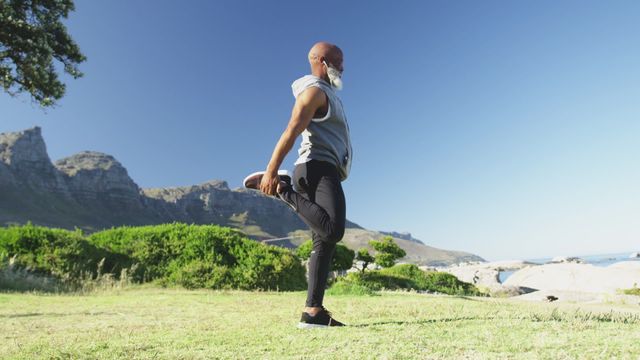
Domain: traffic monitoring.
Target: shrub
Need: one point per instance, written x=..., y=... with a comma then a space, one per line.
x=635, y=290
x=448, y=284
x=201, y=274
x=408, y=271
x=304, y=250
x=57, y=252
x=342, y=259
x=207, y=256
x=407, y=277
x=21, y=279
x=375, y=280
x=350, y=288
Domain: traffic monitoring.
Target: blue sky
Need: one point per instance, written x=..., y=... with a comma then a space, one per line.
x=507, y=129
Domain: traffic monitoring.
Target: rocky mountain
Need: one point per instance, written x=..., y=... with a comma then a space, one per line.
x=400, y=235
x=93, y=191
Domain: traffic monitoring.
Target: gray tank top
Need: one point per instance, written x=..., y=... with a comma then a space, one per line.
x=325, y=139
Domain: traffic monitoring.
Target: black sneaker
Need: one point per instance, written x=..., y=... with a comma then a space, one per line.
x=253, y=181
x=322, y=319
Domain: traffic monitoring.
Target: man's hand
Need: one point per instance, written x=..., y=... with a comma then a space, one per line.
x=269, y=183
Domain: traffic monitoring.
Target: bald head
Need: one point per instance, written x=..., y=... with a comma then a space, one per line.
x=327, y=52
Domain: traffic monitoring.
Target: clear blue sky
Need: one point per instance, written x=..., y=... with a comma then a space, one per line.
x=507, y=129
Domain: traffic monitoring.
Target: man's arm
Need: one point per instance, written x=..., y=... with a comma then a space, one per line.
x=307, y=103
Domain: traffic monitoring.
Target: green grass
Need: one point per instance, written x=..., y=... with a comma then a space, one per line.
x=143, y=322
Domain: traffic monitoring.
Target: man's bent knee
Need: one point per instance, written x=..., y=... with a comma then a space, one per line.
x=336, y=235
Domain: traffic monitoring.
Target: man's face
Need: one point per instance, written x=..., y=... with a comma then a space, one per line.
x=335, y=61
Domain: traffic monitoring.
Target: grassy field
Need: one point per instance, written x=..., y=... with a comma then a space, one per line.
x=147, y=322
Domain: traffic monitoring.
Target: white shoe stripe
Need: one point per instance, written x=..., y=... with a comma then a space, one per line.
x=302, y=325
x=280, y=173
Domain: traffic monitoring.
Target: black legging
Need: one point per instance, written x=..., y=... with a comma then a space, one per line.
x=319, y=200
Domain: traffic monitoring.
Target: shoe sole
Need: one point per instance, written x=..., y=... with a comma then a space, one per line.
x=253, y=180
x=302, y=325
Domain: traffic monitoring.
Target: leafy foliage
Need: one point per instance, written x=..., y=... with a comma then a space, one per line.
x=366, y=258
x=387, y=251
x=32, y=35
x=342, y=258
x=346, y=287
x=188, y=255
x=635, y=290
x=304, y=250
x=57, y=252
x=403, y=277
x=204, y=256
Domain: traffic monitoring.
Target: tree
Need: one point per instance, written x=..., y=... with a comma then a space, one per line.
x=32, y=35
x=387, y=251
x=304, y=250
x=342, y=258
x=366, y=258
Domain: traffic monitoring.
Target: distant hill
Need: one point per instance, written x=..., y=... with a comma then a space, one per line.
x=93, y=191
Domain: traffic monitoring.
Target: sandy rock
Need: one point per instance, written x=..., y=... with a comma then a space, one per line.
x=477, y=275
x=485, y=273
x=630, y=265
x=575, y=277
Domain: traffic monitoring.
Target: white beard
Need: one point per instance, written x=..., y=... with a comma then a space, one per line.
x=336, y=82
x=335, y=77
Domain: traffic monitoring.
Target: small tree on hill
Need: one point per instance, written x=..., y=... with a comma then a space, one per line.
x=387, y=251
x=366, y=258
x=342, y=258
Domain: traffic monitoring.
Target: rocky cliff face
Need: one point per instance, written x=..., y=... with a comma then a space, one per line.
x=94, y=176
x=400, y=235
x=214, y=202
x=24, y=154
x=92, y=190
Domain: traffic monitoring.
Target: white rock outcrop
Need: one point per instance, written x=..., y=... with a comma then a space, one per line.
x=577, y=277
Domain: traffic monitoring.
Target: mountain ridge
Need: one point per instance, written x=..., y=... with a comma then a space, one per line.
x=92, y=191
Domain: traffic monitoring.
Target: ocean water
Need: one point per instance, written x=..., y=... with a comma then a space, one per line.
x=596, y=260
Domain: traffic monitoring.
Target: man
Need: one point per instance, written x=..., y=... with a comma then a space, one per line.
x=324, y=161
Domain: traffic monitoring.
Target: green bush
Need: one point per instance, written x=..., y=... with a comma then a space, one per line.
x=201, y=274
x=633, y=291
x=57, y=252
x=418, y=277
x=342, y=259
x=375, y=280
x=405, y=277
x=350, y=288
x=207, y=256
x=449, y=284
x=387, y=251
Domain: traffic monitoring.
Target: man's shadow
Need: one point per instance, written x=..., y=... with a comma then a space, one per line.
x=425, y=321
